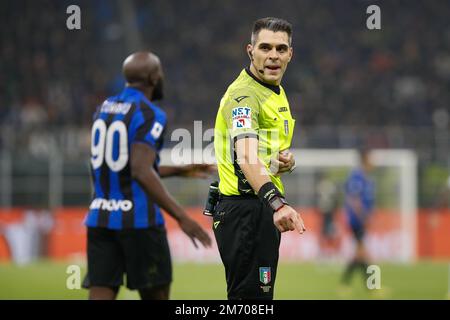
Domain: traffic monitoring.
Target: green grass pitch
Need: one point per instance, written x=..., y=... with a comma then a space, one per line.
x=295, y=281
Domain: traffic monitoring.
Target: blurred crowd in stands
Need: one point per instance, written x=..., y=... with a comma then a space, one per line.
x=342, y=73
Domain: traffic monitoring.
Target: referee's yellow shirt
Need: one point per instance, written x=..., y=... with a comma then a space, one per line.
x=251, y=108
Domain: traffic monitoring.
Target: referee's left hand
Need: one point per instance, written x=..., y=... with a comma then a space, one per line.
x=286, y=161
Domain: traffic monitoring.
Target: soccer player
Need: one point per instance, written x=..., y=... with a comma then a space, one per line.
x=253, y=132
x=359, y=204
x=327, y=193
x=126, y=233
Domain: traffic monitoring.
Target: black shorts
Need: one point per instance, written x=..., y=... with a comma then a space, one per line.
x=142, y=254
x=358, y=233
x=249, y=245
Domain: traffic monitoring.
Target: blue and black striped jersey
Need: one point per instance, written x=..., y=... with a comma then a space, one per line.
x=360, y=186
x=119, y=202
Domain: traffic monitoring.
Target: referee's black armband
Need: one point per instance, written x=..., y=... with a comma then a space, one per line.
x=271, y=197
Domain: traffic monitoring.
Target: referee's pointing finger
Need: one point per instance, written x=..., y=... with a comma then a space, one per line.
x=298, y=223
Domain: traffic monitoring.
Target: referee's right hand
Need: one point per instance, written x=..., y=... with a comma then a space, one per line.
x=287, y=219
x=194, y=231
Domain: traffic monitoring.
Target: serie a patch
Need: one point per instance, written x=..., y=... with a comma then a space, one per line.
x=242, y=117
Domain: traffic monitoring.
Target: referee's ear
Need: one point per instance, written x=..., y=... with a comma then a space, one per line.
x=249, y=51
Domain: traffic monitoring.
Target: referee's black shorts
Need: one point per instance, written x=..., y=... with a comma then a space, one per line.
x=248, y=243
x=143, y=255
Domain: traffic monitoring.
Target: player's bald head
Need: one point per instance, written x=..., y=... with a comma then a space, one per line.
x=142, y=68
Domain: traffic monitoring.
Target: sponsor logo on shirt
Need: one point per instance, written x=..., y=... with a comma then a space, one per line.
x=242, y=117
x=239, y=99
x=111, y=205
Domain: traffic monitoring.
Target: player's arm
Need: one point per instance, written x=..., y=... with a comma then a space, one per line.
x=355, y=203
x=201, y=170
x=141, y=162
x=285, y=217
x=354, y=193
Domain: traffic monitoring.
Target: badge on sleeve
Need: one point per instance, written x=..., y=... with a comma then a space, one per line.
x=157, y=129
x=242, y=118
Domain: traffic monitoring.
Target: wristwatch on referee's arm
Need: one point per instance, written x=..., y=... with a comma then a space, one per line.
x=276, y=203
x=271, y=197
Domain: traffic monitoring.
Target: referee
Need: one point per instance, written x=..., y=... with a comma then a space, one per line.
x=253, y=133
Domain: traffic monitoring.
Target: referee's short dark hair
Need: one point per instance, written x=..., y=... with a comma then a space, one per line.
x=272, y=24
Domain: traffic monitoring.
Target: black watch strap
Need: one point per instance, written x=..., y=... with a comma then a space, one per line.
x=271, y=197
